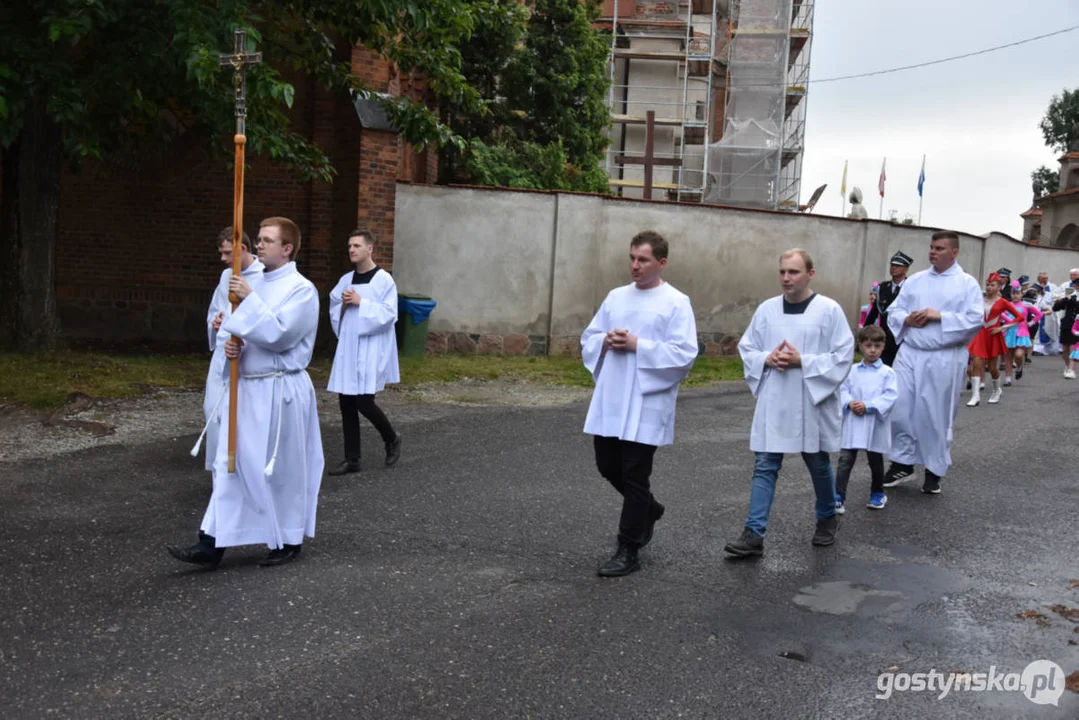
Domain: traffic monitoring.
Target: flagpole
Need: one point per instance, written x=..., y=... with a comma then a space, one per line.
x=921, y=183
x=843, y=189
x=880, y=187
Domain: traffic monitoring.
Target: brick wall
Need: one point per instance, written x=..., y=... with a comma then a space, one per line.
x=135, y=257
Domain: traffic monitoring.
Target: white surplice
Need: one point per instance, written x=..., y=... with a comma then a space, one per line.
x=366, y=357
x=217, y=379
x=932, y=364
x=636, y=392
x=273, y=495
x=798, y=409
x=1050, y=322
x=876, y=386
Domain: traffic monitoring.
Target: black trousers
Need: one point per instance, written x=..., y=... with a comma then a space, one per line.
x=627, y=466
x=846, y=462
x=352, y=406
x=890, y=347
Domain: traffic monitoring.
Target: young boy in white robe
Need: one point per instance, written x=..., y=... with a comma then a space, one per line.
x=272, y=496
x=868, y=394
x=796, y=351
x=363, y=310
x=217, y=378
x=639, y=347
x=938, y=313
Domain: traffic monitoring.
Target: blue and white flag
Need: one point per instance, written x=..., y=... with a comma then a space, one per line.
x=921, y=178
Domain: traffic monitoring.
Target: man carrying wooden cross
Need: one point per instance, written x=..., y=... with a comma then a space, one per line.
x=268, y=465
x=272, y=496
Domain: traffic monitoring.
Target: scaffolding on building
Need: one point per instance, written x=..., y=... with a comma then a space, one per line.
x=664, y=57
x=757, y=162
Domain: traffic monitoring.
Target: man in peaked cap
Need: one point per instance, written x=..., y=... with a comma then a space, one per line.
x=887, y=292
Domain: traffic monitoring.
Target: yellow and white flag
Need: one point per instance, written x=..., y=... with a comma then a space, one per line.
x=843, y=186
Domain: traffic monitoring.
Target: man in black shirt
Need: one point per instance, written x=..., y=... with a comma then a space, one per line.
x=363, y=311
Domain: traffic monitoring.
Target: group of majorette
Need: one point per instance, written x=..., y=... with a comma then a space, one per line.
x=1021, y=318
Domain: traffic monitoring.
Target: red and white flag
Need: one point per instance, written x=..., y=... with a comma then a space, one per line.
x=883, y=177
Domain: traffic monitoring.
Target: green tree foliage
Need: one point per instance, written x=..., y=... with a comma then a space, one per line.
x=498, y=28
x=542, y=74
x=1060, y=128
x=1061, y=120
x=1044, y=181
x=532, y=166
x=100, y=79
x=560, y=79
x=122, y=71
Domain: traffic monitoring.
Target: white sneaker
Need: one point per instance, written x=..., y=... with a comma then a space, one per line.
x=982, y=387
x=1007, y=381
x=1070, y=374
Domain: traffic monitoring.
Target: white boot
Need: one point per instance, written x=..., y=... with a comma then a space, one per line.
x=997, y=392
x=975, y=395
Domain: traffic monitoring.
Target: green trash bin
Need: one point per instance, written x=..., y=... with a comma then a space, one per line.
x=413, y=314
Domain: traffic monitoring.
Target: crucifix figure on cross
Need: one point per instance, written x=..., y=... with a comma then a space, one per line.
x=238, y=60
x=649, y=160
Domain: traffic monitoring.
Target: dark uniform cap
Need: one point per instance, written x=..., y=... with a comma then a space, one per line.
x=901, y=258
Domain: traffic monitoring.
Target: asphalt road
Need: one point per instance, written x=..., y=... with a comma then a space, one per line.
x=461, y=583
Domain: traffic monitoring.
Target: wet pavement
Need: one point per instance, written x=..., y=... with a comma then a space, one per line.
x=461, y=583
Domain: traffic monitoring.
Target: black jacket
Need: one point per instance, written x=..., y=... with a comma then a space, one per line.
x=887, y=292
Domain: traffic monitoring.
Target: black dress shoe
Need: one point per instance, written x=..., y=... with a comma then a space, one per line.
x=623, y=562
x=280, y=556
x=197, y=555
x=393, y=451
x=655, y=513
x=746, y=546
x=347, y=467
x=825, y=534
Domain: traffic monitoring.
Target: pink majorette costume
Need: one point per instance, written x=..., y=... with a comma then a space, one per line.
x=865, y=309
x=1018, y=335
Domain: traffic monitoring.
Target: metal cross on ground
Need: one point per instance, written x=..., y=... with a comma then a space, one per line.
x=238, y=60
x=649, y=160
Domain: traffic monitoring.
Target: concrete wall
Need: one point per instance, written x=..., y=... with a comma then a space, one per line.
x=525, y=271
x=485, y=257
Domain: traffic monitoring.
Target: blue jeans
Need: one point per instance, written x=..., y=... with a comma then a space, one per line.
x=765, y=474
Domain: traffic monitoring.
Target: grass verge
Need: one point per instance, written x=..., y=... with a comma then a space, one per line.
x=46, y=381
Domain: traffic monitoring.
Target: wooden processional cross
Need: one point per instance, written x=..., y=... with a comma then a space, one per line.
x=238, y=60
x=649, y=160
